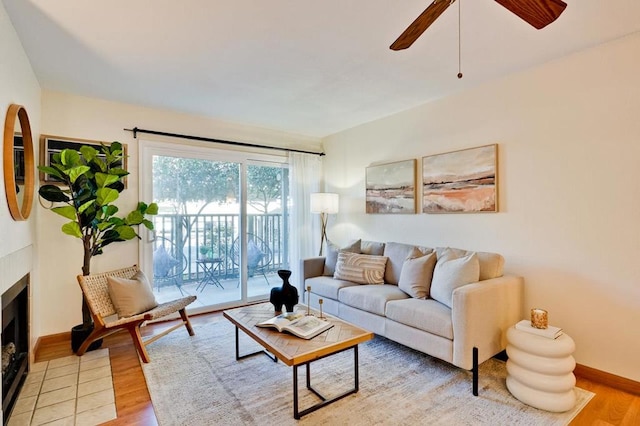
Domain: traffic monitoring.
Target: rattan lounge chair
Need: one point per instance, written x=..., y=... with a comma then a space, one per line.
x=94, y=288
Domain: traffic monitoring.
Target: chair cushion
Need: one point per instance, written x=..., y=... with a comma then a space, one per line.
x=397, y=254
x=428, y=315
x=450, y=274
x=360, y=268
x=371, y=298
x=254, y=255
x=331, y=258
x=327, y=286
x=131, y=296
x=491, y=264
x=163, y=262
x=416, y=275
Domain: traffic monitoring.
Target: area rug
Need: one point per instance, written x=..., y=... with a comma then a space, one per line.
x=197, y=381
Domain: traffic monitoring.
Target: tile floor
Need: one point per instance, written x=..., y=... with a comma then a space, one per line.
x=73, y=391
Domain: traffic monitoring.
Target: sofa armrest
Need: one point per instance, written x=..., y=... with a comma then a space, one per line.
x=309, y=268
x=481, y=314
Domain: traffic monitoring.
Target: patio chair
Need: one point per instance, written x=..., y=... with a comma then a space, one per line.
x=259, y=255
x=95, y=289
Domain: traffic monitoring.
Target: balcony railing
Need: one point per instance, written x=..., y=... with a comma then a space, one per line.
x=198, y=236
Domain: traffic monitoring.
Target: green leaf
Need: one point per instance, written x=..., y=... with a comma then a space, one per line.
x=119, y=171
x=110, y=210
x=75, y=172
x=126, y=232
x=148, y=224
x=67, y=211
x=73, y=229
x=51, y=171
x=53, y=193
x=102, y=226
x=88, y=152
x=69, y=157
x=134, y=218
x=152, y=209
x=85, y=206
x=104, y=179
x=106, y=196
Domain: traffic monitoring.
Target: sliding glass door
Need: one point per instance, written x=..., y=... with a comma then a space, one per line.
x=221, y=232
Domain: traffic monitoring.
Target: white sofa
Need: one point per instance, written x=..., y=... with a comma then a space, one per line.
x=470, y=331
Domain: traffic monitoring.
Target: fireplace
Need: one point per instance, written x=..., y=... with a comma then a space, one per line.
x=15, y=342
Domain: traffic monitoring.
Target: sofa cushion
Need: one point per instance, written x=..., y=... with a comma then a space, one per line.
x=370, y=298
x=450, y=274
x=428, y=315
x=360, y=268
x=327, y=286
x=131, y=296
x=331, y=258
x=397, y=254
x=491, y=264
x=416, y=274
x=372, y=247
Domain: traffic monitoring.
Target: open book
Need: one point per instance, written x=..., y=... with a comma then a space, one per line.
x=298, y=324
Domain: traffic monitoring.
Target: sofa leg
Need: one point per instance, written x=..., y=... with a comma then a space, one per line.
x=475, y=371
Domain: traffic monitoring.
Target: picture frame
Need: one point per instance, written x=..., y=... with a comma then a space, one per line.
x=391, y=188
x=463, y=181
x=50, y=145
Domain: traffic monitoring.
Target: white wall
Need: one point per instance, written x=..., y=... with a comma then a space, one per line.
x=95, y=119
x=569, y=220
x=18, y=85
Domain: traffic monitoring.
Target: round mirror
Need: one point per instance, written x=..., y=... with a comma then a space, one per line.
x=18, y=162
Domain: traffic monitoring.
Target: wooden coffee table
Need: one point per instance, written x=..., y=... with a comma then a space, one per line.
x=297, y=352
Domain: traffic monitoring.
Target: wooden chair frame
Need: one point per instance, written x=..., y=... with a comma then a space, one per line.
x=105, y=322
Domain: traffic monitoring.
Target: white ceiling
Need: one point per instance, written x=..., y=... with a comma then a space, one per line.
x=307, y=67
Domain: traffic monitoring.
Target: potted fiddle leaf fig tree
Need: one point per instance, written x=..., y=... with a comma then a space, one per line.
x=90, y=181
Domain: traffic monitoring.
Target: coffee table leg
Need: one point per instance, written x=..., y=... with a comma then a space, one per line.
x=239, y=357
x=297, y=414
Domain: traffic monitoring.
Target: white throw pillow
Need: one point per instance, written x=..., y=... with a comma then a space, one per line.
x=416, y=275
x=360, y=268
x=131, y=296
x=450, y=274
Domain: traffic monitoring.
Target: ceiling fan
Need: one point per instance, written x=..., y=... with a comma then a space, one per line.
x=538, y=13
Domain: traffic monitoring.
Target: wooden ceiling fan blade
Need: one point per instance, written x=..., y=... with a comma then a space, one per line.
x=538, y=13
x=421, y=23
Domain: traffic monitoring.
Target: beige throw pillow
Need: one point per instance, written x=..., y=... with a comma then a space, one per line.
x=360, y=268
x=131, y=296
x=416, y=275
x=332, y=256
x=450, y=274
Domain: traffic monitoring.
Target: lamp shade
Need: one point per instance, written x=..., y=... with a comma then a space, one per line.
x=324, y=202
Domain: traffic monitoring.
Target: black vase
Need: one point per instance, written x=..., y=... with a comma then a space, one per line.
x=286, y=295
x=79, y=333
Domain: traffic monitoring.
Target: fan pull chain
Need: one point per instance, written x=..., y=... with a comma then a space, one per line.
x=459, y=43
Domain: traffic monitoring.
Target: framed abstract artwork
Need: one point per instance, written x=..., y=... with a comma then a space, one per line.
x=391, y=188
x=464, y=181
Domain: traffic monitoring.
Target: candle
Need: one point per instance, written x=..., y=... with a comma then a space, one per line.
x=539, y=318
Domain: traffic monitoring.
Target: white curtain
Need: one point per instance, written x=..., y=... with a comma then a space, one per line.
x=305, y=173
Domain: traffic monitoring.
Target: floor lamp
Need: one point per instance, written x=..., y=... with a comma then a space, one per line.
x=325, y=203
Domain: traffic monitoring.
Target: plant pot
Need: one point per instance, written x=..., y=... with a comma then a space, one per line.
x=79, y=334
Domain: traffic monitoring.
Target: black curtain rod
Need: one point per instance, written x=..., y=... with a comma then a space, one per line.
x=136, y=130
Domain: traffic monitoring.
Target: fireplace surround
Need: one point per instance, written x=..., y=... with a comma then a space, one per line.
x=15, y=342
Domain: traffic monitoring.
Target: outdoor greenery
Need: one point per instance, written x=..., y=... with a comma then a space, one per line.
x=91, y=181
x=186, y=180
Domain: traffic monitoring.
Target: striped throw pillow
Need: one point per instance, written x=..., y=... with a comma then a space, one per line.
x=360, y=268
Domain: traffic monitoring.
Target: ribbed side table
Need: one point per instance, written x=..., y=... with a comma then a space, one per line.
x=540, y=370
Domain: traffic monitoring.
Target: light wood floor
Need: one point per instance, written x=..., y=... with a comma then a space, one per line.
x=609, y=407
